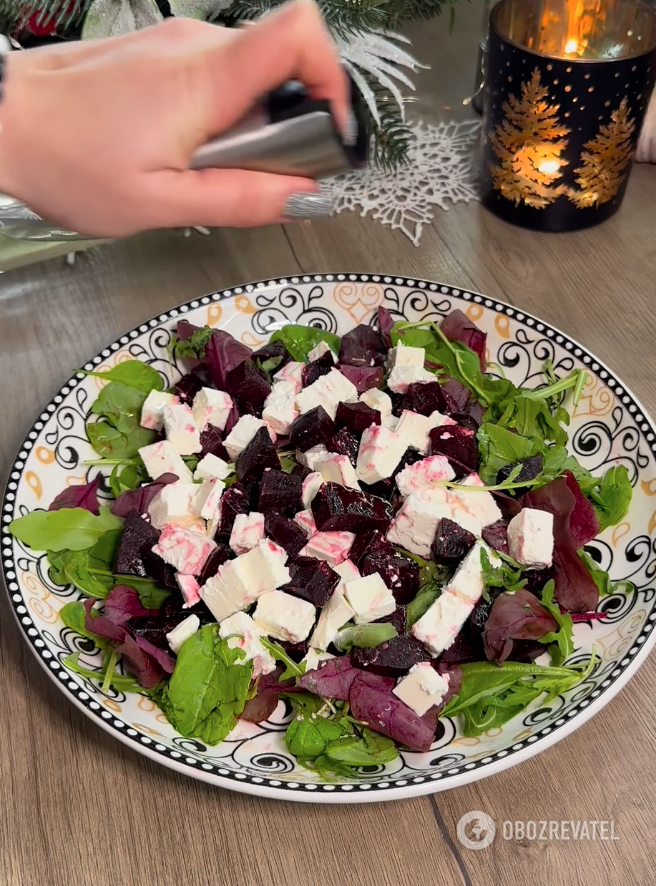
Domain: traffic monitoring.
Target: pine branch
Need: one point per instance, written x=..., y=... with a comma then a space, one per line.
x=391, y=140
x=342, y=17
x=400, y=11
x=63, y=14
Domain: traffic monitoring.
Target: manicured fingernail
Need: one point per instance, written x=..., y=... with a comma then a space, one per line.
x=305, y=206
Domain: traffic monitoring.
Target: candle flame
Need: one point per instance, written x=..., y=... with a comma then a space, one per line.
x=549, y=166
x=571, y=47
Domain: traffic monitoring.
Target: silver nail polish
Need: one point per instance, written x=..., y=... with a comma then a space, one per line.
x=351, y=133
x=307, y=206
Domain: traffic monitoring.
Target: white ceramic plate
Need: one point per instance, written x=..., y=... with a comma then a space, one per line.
x=609, y=426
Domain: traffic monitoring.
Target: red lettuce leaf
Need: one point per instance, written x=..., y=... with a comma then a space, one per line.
x=161, y=656
x=454, y=672
x=262, y=706
x=222, y=353
x=145, y=667
x=575, y=587
x=123, y=603
x=138, y=500
x=372, y=701
x=185, y=329
x=458, y=327
x=102, y=625
x=385, y=324
x=332, y=679
x=583, y=521
x=517, y=616
x=85, y=496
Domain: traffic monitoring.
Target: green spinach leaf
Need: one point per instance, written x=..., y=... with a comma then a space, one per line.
x=602, y=579
x=365, y=636
x=308, y=736
x=299, y=340
x=369, y=749
x=132, y=374
x=73, y=616
x=612, y=497
x=73, y=529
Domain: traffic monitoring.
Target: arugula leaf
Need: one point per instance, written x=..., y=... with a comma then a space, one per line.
x=434, y=579
x=560, y=642
x=208, y=688
x=492, y=694
x=120, y=682
x=151, y=595
x=194, y=346
x=506, y=573
x=365, y=636
x=132, y=374
x=369, y=749
x=269, y=364
x=292, y=669
x=613, y=497
x=73, y=529
x=602, y=579
x=73, y=615
x=299, y=340
x=500, y=447
x=309, y=736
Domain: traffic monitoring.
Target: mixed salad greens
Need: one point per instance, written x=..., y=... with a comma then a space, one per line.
x=426, y=520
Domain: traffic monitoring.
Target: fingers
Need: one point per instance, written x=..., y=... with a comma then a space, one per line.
x=290, y=43
x=234, y=197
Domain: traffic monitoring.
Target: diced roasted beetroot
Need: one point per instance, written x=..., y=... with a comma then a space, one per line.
x=250, y=384
x=366, y=541
x=464, y=420
x=476, y=411
x=385, y=325
x=258, y=455
x=312, y=580
x=332, y=679
x=187, y=388
x=301, y=471
x=394, y=658
x=362, y=346
x=372, y=701
x=409, y=457
x=536, y=579
x=467, y=647
x=457, y=396
x=425, y=398
x=400, y=573
x=310, y=429
x=363, y=377
x=496, y=536
x=356, y=417
x=160, y=572
x=530, y=469
x=454, y=673
x=174, y=605
x=313, y=371
x=285, y=532
x=452, y=541
x=397, y=619
x=272, y=351
x=296, y=651
x=155, y=628
x=398, y=401
x=235, y=500
x=280, y=493
x=211, y=439
x=337, y=508
x=483, y=608
x=516, y=616
x=456, y=326
x=458, y=445
x=220, y=555
x=345, y=443
x=137, y=533
x=382, y=489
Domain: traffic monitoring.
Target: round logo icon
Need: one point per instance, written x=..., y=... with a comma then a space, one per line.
x=476, y=830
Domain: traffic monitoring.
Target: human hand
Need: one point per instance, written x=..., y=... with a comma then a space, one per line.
x=98, y=136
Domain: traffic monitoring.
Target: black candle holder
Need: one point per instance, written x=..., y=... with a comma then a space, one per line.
x=567, y=87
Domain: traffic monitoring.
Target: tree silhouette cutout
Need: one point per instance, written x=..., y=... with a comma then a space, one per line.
x=528, y=144
x=605, y=161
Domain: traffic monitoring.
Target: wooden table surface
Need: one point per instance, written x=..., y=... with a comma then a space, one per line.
x=77, y=807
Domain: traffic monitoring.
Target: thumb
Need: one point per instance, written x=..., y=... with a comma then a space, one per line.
x=234, y=198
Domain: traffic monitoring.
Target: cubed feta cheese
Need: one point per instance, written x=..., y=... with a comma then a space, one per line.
x=327, y=391
x=185, y=550
x=207, y=499
x=333, y=547
x=312, y=483
x=305, y=520
x=347, y=571
x=314, y=658
x=284, y=617
x=311, y=397
x=161, y=458
x=173, y=504
x=380, y=452
x=333, y=616
x=530, y=538
x=378, y=400
x=181, y=429
x=467, y=581
x=405, y=356
x=415, y=524
x=211, y=407
x=415, y=428
x=370, y=598
x=390, y=421
x=280, y=410
x=291, y=372
x=309, y=458
x=422, y=688
x=151, y=411
x=239, y=582
x=319, y=350
x=244, y=634
x=182, y=632
x=211, y=467
x=474, y=510
x=242, y=434
x=404, y=375
x=441, y=623
x=336, y=468
x=424, y=474
x=189, y=589
x=247, y=531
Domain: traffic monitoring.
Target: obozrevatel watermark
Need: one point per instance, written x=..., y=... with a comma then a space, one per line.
x=476, y=830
